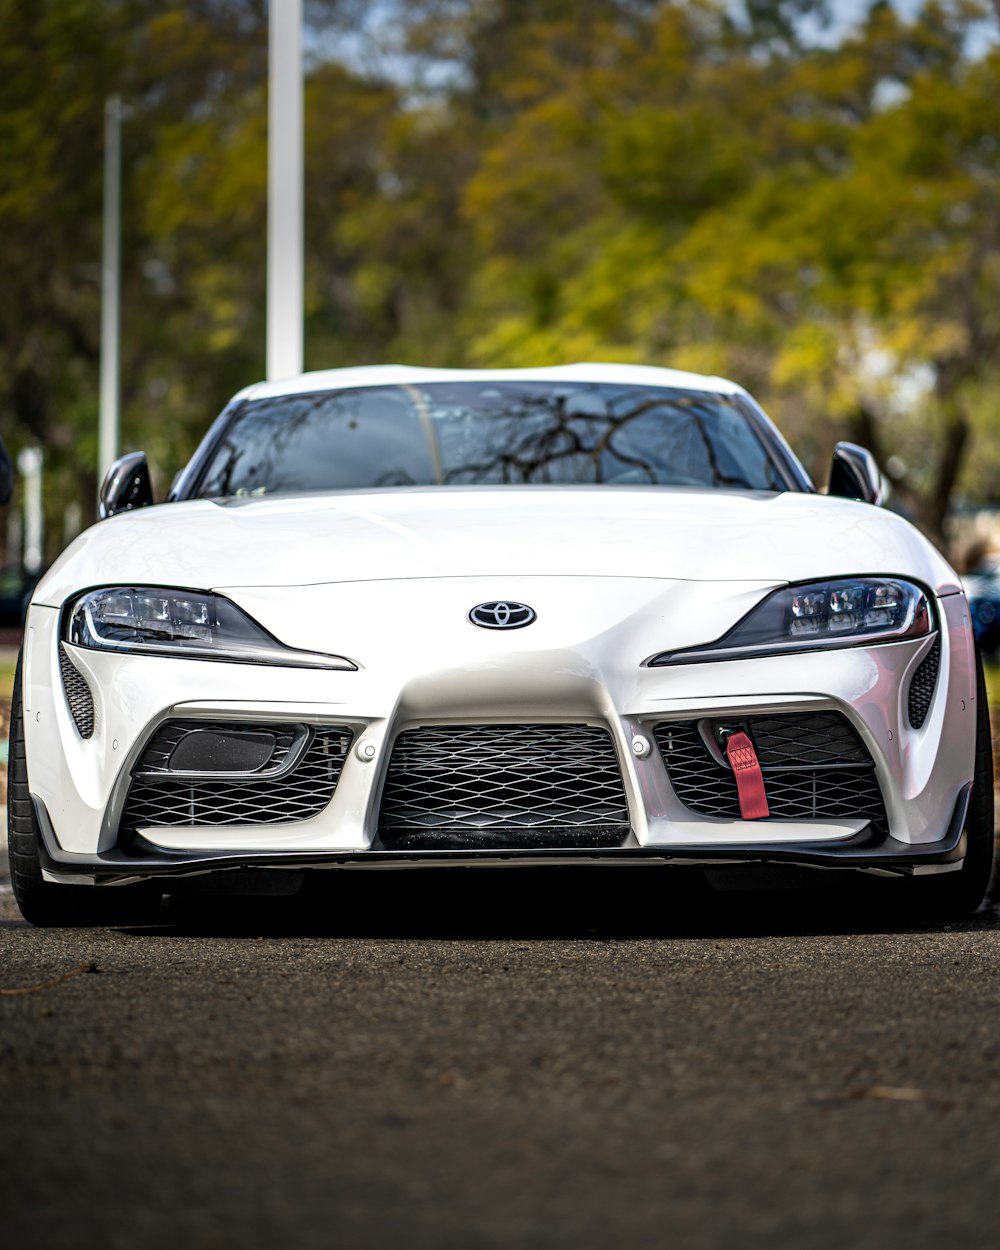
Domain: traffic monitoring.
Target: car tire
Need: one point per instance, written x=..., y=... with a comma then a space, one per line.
x=46, y=903
x=955, y=895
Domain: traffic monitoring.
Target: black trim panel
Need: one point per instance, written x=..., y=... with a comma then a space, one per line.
x=140, y=858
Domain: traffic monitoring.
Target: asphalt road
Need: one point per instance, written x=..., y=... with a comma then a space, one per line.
x=514, y=1061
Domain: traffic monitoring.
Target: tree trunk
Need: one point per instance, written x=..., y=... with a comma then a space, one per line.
x=949, y=466
x=864, y=426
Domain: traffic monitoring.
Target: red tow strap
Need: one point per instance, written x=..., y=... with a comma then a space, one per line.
x=749, y=781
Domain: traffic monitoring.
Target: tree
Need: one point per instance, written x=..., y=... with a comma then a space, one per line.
x=683, y=182
x=59, y=59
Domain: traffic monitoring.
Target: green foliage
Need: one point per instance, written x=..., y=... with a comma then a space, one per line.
x=688, y=183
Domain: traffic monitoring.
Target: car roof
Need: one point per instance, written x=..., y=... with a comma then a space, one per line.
x=401, y=375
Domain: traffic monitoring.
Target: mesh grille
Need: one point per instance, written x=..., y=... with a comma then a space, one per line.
x=815, y=767
x=78, y=696
x=922, y=685
x=496, y=785
x=302, y=793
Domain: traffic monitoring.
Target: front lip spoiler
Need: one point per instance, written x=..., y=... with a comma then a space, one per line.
x=140, y=859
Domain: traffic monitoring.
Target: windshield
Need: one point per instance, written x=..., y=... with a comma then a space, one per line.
x=489, y=433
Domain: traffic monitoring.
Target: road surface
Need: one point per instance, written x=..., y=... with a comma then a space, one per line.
x=523, y=1060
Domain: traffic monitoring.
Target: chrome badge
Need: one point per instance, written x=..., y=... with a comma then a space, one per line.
x=502, y=614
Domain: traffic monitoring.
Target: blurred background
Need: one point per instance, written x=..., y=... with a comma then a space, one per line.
x=803, y=196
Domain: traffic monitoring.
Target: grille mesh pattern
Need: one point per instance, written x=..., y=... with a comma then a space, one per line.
x=78, y=696
x=922, y=685
x=495, y=784
x=302, y=793
x=815, y=767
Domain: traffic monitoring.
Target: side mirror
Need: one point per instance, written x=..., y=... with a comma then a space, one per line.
x=126, y=486
x=6, y=476
x=854, y=474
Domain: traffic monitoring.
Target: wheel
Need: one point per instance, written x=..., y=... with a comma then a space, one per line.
x=45, y=903
x=953, y=895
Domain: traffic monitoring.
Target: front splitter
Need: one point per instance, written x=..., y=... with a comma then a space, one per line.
x=141, y=860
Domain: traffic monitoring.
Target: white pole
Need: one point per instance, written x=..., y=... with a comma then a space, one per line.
x=107, y=443
x=284, y=189
x=29, y=464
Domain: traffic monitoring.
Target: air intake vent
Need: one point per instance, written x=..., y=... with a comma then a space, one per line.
x=498, y=786
x=78, y=696
x=156, y=797
x=815, y=767
x=922, y=685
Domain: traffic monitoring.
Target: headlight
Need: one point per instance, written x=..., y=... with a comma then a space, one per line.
x=848, y=613
x=180, y=623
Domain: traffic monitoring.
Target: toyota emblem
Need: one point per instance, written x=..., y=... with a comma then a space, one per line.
x=502, y=614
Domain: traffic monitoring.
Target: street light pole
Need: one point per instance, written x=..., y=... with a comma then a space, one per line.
x=110, y=386
x=284, y=189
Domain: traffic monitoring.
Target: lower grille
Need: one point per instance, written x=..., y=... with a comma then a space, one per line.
x=78, y=695
x=156, y=797
x=495, y=786
x=815, y=767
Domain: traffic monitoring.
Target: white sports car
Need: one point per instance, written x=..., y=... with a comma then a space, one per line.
x=395, y=616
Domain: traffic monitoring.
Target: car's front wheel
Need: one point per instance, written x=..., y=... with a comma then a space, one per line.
x=46, y=903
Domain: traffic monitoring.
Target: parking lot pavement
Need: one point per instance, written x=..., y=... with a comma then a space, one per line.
x=528, y=1060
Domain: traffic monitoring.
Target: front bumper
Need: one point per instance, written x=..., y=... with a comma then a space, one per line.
x=459, y=676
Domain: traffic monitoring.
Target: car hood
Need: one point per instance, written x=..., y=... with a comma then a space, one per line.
x=675, y=534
